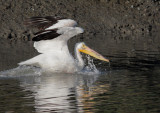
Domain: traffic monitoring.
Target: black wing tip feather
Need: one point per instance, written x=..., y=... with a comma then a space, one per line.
x=46, y=35
x=41, y=22
x=35, y=19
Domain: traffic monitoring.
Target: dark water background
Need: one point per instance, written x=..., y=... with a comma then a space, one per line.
x=116, y=91
x=130, y=85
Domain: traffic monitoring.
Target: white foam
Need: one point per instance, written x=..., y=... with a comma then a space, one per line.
x=21, y=71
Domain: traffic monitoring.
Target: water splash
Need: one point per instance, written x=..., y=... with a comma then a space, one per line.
x=21, y=71
x=90, y=68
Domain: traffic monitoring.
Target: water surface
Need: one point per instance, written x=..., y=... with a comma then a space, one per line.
x=112, y=91
x=130, y=85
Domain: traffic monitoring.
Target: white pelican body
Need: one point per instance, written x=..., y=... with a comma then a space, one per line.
x=59, y=60
x=51, y=42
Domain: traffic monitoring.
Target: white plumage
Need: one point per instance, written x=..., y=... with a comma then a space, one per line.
x=63, y=23
x=59, y=42
x=51, y=42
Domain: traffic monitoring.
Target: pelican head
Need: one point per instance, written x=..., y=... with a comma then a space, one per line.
x=85, y=49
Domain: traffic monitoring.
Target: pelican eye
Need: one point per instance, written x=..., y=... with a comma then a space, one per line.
x=83, y=46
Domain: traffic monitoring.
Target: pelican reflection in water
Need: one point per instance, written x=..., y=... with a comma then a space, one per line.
x=71, y=93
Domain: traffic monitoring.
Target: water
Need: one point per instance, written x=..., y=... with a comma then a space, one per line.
x=121, y=91
x=129, y=85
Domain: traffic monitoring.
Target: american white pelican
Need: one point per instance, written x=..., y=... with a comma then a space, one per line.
x=51, y=42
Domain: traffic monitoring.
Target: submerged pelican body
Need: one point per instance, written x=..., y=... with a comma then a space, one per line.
x=51, y=42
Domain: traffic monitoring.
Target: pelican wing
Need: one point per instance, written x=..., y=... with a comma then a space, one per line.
x=54, y=32
x=42, y=22
x=46, y=35
x=49, y=22
x=54, y=40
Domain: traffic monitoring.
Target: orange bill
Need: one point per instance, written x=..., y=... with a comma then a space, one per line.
x=85, y=49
